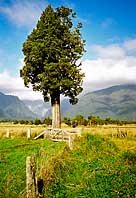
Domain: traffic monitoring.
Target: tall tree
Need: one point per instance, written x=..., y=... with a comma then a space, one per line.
x=51, y=53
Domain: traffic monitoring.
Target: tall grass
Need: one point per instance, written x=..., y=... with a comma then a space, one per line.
x=94, y=168
x=20, y=130
x=13, y=153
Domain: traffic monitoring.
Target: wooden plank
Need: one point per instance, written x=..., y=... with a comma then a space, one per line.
x=41, y=135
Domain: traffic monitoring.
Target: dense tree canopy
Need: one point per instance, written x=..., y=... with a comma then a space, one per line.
x=51, y=53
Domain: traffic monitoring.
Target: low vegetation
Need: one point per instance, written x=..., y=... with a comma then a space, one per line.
x=102, y=162
x=92, y=120
x=13, y=153
x=96, y=167
x=78, y=120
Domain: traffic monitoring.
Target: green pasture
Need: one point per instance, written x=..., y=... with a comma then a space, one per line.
x=13, y=153
x=99, y=165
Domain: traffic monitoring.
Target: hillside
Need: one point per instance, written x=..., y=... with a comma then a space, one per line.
x=13, y=108
x=117, y=102
x=38, y=107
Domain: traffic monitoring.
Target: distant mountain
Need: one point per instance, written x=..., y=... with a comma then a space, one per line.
x=38, y=107
x=117, y=102
x=13, y=108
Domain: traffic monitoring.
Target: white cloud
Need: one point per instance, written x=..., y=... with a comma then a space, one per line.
x=111, y=51
x=24, y=13
x=100, y=74
x=15, y=86
x=130, y=45
x=111, y=67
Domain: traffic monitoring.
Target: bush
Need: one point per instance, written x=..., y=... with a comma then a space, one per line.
x=37, y=122
x=47, y=121
x=67, y=121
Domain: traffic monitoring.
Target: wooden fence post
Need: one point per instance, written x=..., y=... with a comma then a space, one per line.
x=70, y=142
x=31, y=189
x=79, y=131
x=28, y=133
x=8, y=133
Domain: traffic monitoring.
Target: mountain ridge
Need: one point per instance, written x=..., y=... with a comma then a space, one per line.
x=38, y=107
x=117, y=102
x=11, y=107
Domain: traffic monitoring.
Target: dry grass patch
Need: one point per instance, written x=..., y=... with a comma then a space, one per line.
x=20, y=130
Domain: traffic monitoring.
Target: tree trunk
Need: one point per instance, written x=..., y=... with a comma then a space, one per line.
x=56, y=117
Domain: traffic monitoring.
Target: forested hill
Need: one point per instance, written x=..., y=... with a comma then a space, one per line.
x=13, y=108
x=117, y=102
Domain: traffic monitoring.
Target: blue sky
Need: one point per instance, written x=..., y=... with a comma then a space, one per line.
x=109, y=28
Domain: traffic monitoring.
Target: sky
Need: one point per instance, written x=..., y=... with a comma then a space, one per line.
x=109, y=28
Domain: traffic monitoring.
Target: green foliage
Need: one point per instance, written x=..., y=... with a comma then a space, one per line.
x=51, y=53
x=22, y=122
x=37, y=122
x=96, y=120
x=92, y=120
x=74, y=123
x=67, y=121
x=77, y=121
x=47, y=121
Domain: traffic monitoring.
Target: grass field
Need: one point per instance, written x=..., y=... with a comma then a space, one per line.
x=95, y=168
x=13, y=153
x=20, y=130
x=101, y=164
